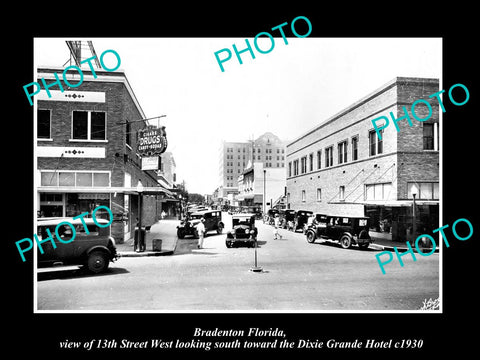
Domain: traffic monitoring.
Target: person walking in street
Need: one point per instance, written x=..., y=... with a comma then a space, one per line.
x=201, y=232
x=276, y=224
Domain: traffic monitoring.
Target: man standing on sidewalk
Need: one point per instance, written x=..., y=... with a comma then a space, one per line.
x=201, y=232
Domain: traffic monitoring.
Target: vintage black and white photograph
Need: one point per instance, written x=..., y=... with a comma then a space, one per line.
x=278, y=173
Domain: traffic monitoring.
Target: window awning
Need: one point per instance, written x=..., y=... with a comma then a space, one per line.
x=390, y=203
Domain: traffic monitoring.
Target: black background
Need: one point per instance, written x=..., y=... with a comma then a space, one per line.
x=41, y=333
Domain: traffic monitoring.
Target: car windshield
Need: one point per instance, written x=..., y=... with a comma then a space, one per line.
x=196, y=216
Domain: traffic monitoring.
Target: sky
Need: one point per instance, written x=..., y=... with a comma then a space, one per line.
x=287, y=91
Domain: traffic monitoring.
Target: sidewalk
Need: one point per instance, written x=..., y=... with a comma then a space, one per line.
x=381, y=243
x=159, y=230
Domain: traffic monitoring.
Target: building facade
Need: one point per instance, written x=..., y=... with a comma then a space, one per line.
x=342, y=167
x=267, y=149
x=261, y=186
x=86, y=151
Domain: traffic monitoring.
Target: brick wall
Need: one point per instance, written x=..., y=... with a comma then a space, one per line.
x=119, y=107
x=403, y=158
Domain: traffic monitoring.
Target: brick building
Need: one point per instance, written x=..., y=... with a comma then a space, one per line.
x=86, y=151
x=341, y=167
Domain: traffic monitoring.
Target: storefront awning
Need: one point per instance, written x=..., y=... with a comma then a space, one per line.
x=104, y=189
x=389, y=203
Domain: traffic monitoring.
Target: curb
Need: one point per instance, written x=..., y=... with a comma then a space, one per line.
x=399, y=249
x=144, y=253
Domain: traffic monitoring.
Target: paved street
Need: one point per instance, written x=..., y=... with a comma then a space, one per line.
x=297, y=276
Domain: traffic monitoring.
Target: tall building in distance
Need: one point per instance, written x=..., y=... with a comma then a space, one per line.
x=235, y=157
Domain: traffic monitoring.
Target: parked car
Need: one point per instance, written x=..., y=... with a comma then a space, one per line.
x=344, y=229
x=243, y=231
x=94, y=249
x=301, y=218
x=213, y=221
x=288, y=220
x=270, y=216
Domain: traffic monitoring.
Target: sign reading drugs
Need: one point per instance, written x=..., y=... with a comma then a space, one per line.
x=151, y=141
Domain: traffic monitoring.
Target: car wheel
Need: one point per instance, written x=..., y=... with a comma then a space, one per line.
x=228, y=244
x=97, y=262
x=345, y=241
x=181, y=233
x=311, y=237
x=220, y=229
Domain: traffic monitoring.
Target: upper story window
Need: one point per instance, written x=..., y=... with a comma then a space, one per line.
x=329, y=156
x=354, y=148
x=304, y=164
x=43, y=124
x=374, y=143
x=430, y=136
x=89, y=125
x=342, y=152
x=295, y=167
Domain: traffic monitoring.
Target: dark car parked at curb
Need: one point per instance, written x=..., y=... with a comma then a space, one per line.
x=347, y=230
x=287, y=219
x=213, y=221
x=94, y=249
x=301, y=218
x=243, y=231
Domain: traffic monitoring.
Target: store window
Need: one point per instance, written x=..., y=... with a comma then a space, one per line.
x=425, y=190
x=378, y=191
x=75, y=178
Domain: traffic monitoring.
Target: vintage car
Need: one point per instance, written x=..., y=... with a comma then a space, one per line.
x=213, y=221
x=94, y=249
x=287, y=219
x=270, y=216
x=301, y=219
x=347, y=230
x=243, y=231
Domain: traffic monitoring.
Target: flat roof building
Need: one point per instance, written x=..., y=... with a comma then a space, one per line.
x=342, y=167
x=85, y=150
x=234, y=158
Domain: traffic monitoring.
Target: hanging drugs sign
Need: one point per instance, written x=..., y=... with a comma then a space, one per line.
x=151, y=141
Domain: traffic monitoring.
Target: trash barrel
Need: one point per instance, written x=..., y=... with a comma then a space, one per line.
x=139, y=239
x=157, y=245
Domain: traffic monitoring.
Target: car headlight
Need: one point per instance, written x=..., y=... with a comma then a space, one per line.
x=247, y=231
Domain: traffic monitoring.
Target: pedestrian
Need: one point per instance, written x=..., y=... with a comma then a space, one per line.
x=201, y=232
x=163, y=214
x=276, y=224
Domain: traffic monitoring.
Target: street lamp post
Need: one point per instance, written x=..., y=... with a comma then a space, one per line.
x=264, y=193
x=414, y=192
